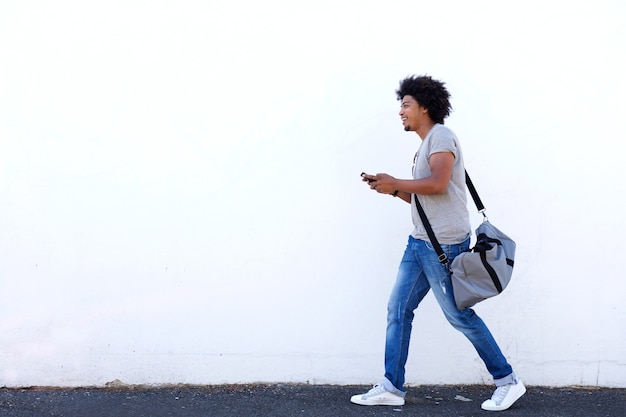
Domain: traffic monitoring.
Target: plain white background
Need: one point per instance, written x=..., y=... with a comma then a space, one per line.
x=180, y=198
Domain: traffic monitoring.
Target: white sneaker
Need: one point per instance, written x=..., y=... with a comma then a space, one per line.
x=378, y=396
x=504, y=396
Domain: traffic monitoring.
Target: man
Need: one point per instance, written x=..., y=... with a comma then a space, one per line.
x=439, y=184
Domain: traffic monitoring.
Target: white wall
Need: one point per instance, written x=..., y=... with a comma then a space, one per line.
x=180, y=200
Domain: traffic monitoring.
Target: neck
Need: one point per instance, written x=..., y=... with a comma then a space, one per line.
x=423, y=130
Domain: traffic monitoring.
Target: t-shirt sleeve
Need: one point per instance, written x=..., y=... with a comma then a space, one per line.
x=443, y=141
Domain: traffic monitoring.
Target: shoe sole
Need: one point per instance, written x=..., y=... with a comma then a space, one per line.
x=365, y=402
x=502, y=407
x=396, y=403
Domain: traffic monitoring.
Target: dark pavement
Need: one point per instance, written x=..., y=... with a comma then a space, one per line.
x=286, y=400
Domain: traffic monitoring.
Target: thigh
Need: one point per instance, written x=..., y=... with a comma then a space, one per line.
x=438, y=275
x=411, y=284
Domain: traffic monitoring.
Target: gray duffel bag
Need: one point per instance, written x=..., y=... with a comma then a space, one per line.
x=483, y=271
x=486, y=269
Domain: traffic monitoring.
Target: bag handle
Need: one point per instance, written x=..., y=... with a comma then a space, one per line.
x=443, y=258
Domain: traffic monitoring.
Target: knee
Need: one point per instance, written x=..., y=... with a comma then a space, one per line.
x=462, y=320
x=398, y=313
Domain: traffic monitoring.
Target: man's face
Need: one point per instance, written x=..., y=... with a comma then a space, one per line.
x=411, y=113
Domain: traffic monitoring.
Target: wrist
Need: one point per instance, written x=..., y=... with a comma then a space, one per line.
x=395, y=186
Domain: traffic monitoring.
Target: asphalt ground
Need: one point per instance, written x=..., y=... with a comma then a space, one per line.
x=280, y=400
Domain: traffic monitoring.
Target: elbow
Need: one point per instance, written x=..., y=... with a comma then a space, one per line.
x=439, y=185
x=440, y=188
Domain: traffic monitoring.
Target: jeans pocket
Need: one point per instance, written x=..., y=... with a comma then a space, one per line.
x=451, y=251
x=445, y=248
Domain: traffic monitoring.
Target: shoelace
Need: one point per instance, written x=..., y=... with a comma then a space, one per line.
x=500, y=393
x=378, y=389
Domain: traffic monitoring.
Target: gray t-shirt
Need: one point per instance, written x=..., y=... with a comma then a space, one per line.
x=447, y=213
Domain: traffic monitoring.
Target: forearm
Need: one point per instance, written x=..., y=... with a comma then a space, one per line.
x=423, y=186
x=404, y=196
x=385, y=184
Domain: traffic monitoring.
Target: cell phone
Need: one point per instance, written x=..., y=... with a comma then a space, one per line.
x=367, y=179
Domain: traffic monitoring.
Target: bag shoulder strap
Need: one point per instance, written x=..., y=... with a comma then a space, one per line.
x=443, y=258
x=470, y=186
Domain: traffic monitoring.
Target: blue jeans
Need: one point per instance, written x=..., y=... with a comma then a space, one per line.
x=419, y=272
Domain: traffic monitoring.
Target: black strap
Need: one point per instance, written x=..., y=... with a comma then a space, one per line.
x=443, y=258
x=470, y=186
x=490, y=271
